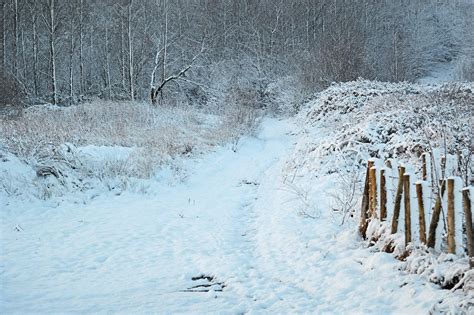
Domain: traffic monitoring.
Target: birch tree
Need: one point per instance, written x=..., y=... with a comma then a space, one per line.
x=49, y=19
x=130, y=50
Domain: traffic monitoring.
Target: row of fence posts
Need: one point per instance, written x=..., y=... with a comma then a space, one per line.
x=370, y=199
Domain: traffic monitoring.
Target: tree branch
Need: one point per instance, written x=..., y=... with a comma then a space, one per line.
x=181, y=73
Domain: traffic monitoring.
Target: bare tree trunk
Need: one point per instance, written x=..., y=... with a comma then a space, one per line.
x=107, y=63
x=395, y=54
x=307, y=26
x=275, y=27
x=91, y=50
x=23, y=57
x=152, y=80
x=165, y=43
x=35, y=52
x=4, y=33
x=15, y=38
x=81, y=46
x=130, y=50
x=122, y=50
x=71, y=57
x=52, y=51
x=225, y=26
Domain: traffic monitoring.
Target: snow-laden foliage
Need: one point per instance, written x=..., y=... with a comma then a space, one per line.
x=367, y=119
x=349, y=123
x=446, y=270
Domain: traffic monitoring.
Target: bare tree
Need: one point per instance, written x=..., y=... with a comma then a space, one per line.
x=317, y=41
x=81, y=46
x=49, y=18
x=15, y=37
x=130, y=50
x=157, y=88
x=4, y=34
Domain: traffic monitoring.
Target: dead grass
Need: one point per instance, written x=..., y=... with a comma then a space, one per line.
x=163, y=130
x=50, y=135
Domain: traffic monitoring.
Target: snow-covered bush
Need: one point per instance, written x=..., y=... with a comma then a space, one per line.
x=349, y=123
x=389, y=120
x=284, y=96
x=443, y=269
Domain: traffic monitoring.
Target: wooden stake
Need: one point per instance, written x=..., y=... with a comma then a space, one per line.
x=459, y=156
x=406, y=193
x=469, y=228
x=398, y=200
x=373, y=192
x=421, y=212
x=451, y=223
x=443, y=167
x=423, y=166
x=436, y=214
x=383, y=196
x=365, y=202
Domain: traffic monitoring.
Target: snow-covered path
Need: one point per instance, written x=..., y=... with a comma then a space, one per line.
x=139, y=252
x=232, y=219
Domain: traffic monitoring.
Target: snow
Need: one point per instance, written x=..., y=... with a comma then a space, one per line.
x=459, y=217
x=14, y=175
x=249, y=224
x=441, y=72
x=102, y=153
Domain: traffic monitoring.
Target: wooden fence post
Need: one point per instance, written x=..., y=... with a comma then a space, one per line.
x=436, y=214
x=451, y=225
x=365, y=202
x=443, y=166
x=469, y=228
x=421, y=212
x=423, y=167
x=373, y=192
x=406, y=193
x=398, y=200
x=383, y=196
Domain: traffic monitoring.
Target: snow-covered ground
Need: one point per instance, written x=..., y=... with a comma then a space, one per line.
x=238, y=223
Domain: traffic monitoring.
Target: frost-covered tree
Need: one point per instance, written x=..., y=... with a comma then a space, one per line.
x=78, y=49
